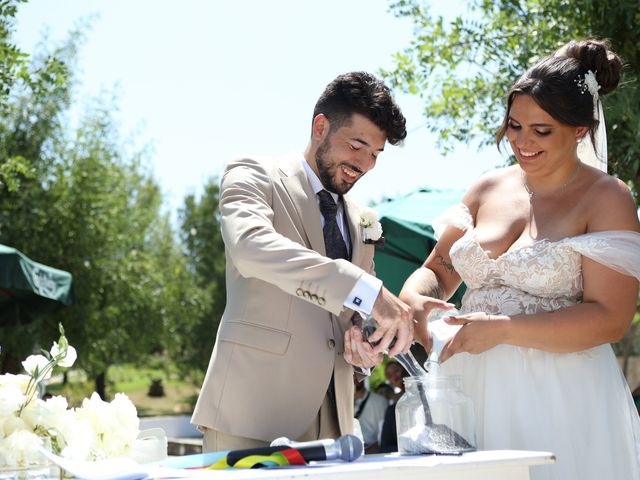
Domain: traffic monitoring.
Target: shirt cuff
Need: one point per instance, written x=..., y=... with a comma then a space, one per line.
x=364, y=294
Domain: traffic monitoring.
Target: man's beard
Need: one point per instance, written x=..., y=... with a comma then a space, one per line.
x=327, y=171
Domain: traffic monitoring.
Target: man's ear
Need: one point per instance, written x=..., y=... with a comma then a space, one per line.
x=320, y=128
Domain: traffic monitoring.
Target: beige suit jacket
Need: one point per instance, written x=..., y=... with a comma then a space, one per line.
x=282, y=333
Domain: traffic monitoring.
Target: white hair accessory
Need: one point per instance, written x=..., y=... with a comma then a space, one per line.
x=590, y=83
x=586, y=148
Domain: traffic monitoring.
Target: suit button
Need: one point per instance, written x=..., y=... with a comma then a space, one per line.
x=331, y=343
x=299, y=292
x=307, y=294
x=321, y=301
x=314, y=297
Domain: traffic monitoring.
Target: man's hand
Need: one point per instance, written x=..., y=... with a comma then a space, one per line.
x=357, y=351
x=395, y=320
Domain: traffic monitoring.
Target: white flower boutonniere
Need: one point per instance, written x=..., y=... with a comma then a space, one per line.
x=371, y=228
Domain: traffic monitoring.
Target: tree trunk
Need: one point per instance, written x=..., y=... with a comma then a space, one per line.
x=100, y=386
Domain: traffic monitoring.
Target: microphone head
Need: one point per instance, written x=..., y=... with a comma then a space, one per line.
x=281, y=442
x=351, y=447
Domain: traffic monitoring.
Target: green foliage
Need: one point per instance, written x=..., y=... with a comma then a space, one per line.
x=47, y=79
x=90, y=206
x=201, y=236
x=463, y=69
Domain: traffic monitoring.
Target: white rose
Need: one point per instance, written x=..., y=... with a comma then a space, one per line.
x=97, y=412
x=125, y=427
x=11, y=397
x=368, y=217
x=36, y=362
x=77, y=437
x=20, y=380
x=21, y=448
x=55, y=412
x=374, y=232
x=69, y=357
x=13, y=424
x=33, y=413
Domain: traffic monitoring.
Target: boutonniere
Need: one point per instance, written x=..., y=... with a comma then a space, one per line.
x=371, y=228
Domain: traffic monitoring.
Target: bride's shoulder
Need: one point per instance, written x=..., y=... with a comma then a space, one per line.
x=506, y=178
x=610, y=205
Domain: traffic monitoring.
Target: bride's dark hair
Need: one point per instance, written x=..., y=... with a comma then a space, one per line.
x=553, y=83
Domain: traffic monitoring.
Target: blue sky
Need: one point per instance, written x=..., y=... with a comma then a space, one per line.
x=204, y=81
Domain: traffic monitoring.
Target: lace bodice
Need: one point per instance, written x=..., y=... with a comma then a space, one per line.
x=545, y=275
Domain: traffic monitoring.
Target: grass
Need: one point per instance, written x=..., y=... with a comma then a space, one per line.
x=178, y=399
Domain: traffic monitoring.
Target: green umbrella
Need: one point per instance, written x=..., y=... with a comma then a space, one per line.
x=30, y=287
x=407, y=225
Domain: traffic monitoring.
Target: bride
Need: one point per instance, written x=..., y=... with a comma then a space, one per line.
x=550, y=252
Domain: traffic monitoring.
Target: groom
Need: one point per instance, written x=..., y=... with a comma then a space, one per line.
x=297, y=269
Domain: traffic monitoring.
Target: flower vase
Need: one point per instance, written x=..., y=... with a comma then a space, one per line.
x=33, y=471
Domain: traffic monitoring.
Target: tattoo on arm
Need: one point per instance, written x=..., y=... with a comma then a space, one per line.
x=437, y=292
x=447, y=266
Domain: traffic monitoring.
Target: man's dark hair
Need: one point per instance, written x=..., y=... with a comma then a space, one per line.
x=362, y=93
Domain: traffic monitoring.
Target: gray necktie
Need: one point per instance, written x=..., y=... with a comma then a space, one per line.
x=333, y=241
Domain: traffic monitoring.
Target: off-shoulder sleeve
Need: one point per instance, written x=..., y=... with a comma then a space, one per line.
x=457, y=216
x=617, y=249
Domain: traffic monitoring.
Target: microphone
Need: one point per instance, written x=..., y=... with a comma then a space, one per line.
x=346, y=448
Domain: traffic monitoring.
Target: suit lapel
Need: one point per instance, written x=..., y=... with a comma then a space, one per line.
x=304, y=200
x=352, y=213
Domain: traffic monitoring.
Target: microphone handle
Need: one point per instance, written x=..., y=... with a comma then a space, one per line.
x=314, y=453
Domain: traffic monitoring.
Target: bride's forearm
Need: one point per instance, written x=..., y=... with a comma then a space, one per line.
x=424, y=282
x=569, y=329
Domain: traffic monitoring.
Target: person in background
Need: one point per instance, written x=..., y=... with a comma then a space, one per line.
x=369, y=408
x=387, y=392
x=549, y=250
x=395, y=374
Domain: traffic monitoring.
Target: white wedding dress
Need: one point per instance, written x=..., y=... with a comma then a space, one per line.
x=576, y=405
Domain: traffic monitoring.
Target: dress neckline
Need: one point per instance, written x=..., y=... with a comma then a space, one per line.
x=471, y=229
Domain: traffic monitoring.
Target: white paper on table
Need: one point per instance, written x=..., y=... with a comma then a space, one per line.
x=111, y=469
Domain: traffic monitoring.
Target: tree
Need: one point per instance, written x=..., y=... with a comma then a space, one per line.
x=90, y=206
x=49, y=78
x=201, y=236
x=463, y=69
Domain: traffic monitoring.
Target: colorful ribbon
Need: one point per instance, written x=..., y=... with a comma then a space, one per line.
x=282, y=458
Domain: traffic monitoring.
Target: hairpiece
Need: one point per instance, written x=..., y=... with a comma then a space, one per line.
x=590, y=83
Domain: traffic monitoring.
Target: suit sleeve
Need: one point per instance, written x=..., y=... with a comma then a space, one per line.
x=257, y=250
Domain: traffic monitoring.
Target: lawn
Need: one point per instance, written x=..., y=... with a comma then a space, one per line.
x=178, y=399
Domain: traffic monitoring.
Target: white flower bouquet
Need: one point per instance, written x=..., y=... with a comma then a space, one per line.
x=97, y=430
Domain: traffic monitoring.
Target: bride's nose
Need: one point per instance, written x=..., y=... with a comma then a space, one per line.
x=521, y=139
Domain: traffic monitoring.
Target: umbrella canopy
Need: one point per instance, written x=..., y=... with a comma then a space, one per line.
x=407, y=225
x=30, y=286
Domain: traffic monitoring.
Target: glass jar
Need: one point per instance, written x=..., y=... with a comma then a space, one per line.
x=435, y=416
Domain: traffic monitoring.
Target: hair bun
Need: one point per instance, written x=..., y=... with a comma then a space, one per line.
x=595, y=55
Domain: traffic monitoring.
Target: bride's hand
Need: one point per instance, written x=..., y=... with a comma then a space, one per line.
x=422, y=306
x=480, y=332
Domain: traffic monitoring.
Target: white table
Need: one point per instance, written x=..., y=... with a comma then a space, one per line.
x=483, y=465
